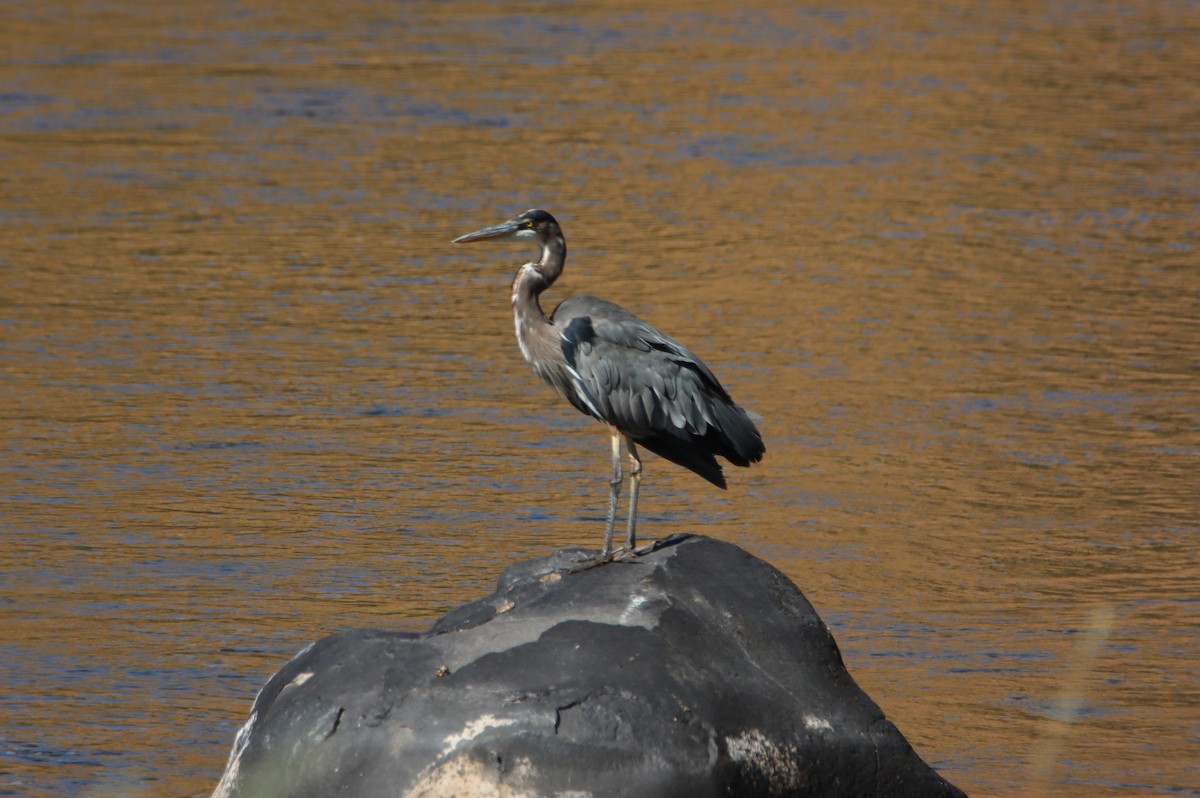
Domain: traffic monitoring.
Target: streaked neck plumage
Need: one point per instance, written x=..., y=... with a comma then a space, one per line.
x=534, y=332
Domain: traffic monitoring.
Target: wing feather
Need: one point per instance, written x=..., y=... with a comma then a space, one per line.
x=653, y=388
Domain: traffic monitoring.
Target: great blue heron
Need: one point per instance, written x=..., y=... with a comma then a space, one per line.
x=647, y=387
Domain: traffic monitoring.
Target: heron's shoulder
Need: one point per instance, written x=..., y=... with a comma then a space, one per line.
x=600, y=339
x=598, y=320
x=610, y=321
x=592, y=306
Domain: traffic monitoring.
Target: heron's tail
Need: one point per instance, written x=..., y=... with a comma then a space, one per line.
x=683, y=453
x=741, y=442
x=733, y=437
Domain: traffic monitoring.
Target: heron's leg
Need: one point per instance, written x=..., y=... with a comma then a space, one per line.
x=635, y=479
x=614, y=486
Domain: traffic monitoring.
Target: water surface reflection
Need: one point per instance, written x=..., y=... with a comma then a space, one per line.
x=250, y=395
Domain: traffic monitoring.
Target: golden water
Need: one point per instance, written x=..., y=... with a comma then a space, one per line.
x=249, y=394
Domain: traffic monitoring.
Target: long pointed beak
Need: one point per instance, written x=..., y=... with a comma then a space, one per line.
x=505, y=230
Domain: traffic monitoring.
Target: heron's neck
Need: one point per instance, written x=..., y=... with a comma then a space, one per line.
x=554, y=255
x=528, y=316
x=532, y=279
x=534, y=330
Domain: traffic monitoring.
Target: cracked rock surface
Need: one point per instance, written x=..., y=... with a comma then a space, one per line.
x=693, y=669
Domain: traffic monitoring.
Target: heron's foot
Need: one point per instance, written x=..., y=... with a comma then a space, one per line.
x=625, y=554
x=592, y=562
x=620, y=555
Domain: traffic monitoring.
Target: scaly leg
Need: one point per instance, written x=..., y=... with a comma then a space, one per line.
x=614, y=486
x=635, y=474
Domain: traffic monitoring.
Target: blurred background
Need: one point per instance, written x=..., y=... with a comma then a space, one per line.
x=250, y=395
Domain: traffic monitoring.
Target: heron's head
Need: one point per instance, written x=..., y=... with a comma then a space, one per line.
x=535, y=227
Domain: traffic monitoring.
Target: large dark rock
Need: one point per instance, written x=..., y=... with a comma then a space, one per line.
x=693, y=670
